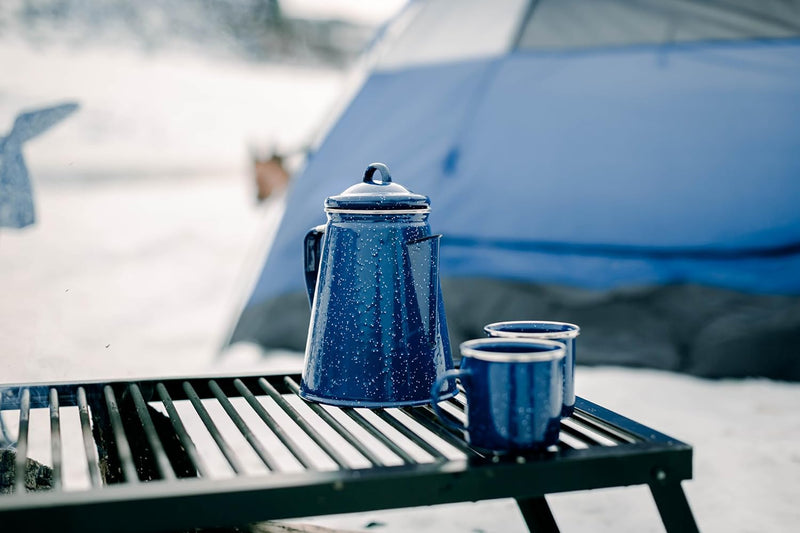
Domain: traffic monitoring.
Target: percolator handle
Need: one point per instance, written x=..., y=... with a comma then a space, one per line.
x=312, y=249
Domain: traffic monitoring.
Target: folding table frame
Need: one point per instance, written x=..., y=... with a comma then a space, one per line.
x=146, y=472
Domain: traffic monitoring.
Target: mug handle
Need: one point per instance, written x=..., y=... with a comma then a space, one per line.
x=437, y=385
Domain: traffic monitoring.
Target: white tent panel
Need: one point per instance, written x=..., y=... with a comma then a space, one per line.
x=451, y=30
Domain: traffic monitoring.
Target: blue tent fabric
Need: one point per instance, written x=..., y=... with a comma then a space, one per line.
x=687, y=135
x=596, y=170
x=636, y=166
x=373, y=128
x=680, y=172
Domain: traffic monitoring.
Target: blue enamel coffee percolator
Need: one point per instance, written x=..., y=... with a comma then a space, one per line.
x=378, y=335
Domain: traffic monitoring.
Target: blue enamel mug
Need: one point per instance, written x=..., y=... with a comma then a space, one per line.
x=543, y=329
x=514, y=393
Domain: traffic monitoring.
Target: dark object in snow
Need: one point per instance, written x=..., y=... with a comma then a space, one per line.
x=270, y=172
x=37, y=475
x=143, y=457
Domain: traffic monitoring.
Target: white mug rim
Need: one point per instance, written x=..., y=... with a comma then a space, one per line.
x=472, y=348
x=570, y=333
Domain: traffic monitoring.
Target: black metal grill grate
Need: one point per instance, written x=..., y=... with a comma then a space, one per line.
x=121, y=442
x=179, y=438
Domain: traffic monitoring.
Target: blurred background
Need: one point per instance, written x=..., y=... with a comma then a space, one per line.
x=630, y=167
x=146, y=204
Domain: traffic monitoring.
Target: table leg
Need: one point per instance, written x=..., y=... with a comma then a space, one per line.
x=537, y=515
x=673, y=507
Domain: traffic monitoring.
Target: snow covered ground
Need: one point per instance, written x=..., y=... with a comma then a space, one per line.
x=145, y=201
x=148, y=238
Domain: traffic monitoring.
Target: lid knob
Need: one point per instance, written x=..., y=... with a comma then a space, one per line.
x=377, y=193
x=386, y=177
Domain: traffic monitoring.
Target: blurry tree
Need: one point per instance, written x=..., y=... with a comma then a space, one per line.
x=254, y=29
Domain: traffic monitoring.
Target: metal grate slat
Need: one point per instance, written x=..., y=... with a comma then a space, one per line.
x=180, y=430
x=88, y=440
x=590, y=422
x=222, y=444
x=593, y=438
x=359, y=419
x=426, y=417
x=411, y=435
x=123, y=448
x=267, y=458
x=337, y=426
x=460, y=399
x=55, y=438
x=568, y=442
x=163, y=466
x=276, y=429
x=22, y=440
x=313, y=434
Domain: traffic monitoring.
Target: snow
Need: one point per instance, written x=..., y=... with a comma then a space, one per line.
x=148, y=238
x=356, y=10
x=145, y=201
x=170, y=114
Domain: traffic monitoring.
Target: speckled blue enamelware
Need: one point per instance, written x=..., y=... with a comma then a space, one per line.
x=378, y=334
x=543, y=329
x=514, y=393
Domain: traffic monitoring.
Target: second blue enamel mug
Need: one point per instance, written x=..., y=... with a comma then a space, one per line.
x=543, y=329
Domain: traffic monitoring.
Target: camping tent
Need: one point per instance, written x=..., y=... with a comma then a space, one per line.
x=627, y=165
